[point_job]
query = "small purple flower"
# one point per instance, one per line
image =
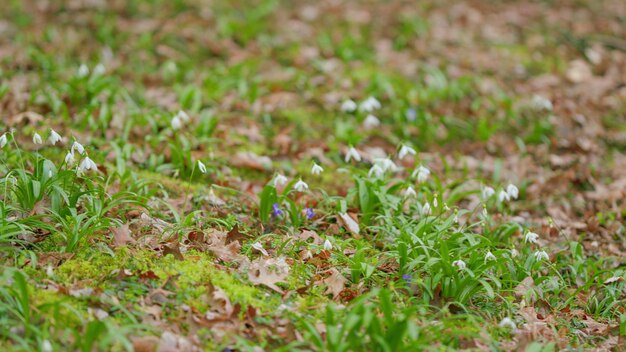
(309, 213)
(276, 212)
(407, 279)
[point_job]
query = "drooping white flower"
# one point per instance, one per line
(259, 247)
(69, 158)
(404, 151)
(86, 165)
(83, 71)
(488, 192)
(77, 147)
(183, 116)
(485, 212)
(489, 256)
(459, 264)
(421, 173)
(503, 196)
(541, 103)
(316, 169)
(279, 180)
(37, 138)
(370, 104)
(353, 154)
(176, 123)
(426, 209)
(410, 192)
(512, 191)
(348, 106)
(541, 255)
(435, 202)
(3, 140)
(202, 167)
(99, 69)
(376, 171)
(46, 346)
(327, 245)
(508, 323)
(54, 137)
(531, 237)
(386, 164)
(371, 121)
(300, 186)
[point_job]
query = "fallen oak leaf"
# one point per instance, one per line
(121, 236)
(268, 272)
(350, 224)
(235, 235)
(335, 283)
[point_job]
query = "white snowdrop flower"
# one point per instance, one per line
(316, 169)
(410, 192)
(503, 196)
(485, 212)
(202, 167)
(456, 219)
(327, 245)
(404, 151)
(259, 247)
(183, 116)
(514, 253)
(489, 256)
(541, 255)
(435, 202)
(78, 147)
(426, 210)
(87, 164)
(459, 264)
(512, 191)
(531, 237)
(371, 121)
(54, 137)
(3, 140)
(376, 171)
(445, 207)
(176, 123)
(541, 103)
(99, 69)
(488, 192)
(49, 173)
(46, 346)
(300, 186)
(508, 323)
(386, 164)
(83, 71)
(69, 158)
(279, 180)
(49, 271)
(37, 138)
(370, 104)
(421, 173)
(353, 154)
(348, 106)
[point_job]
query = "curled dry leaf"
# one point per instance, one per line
(335, 283)
(268, 272)
(121, 236)
(350, 224)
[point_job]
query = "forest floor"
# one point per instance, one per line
(332, 175)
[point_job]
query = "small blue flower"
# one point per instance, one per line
(276, 212)
(309, 213)
(411, 114)
(407, 279)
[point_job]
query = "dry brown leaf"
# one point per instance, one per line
(335, 283)
(121, 236)
(250, 160)
(268, 272)
(145, 343)
(350, 224)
